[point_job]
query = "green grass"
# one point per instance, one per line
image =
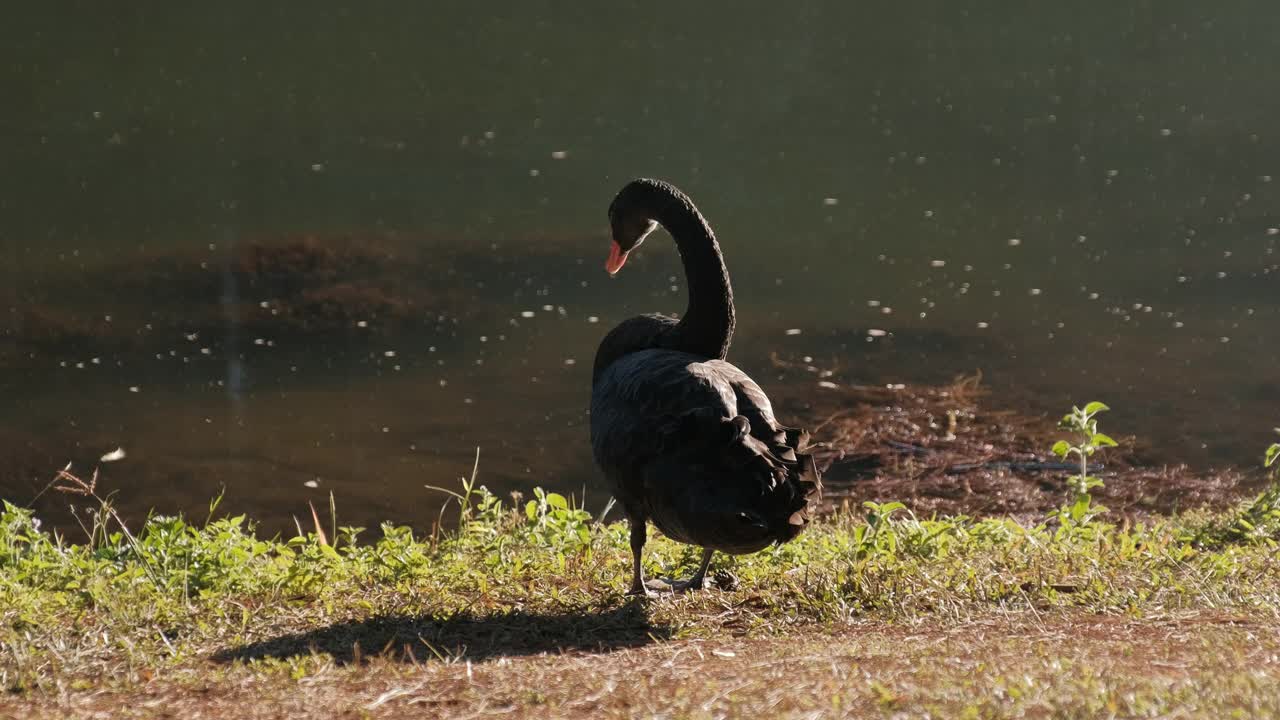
(177, 605)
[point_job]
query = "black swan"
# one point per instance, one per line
(686, 440)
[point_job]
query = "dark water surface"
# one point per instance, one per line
(288, 252)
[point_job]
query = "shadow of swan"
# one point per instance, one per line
(462, 636)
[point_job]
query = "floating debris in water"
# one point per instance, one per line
(937, 263)
(548, 308)
(114, 455)
(830, 201)
(317, 167)
(793, 331)
(873, 303)
(983, 325)
(134, 389)
(593, 319)
(559, 154)
(570, 361)
(827, 384)
(877, 332)
(389, 353)
(312, 483)
(1014, 242)
(534, 172)
(1034, 291)
(527, 313)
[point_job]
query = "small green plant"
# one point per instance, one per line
(1083, 423)
(1269, 459)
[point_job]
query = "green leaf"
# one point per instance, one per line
(1061, 448)
(1095, 407)
(531, 509)
(1273, 452)
(557, 500)
(1102, 440)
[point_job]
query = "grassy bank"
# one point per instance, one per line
(871, 610)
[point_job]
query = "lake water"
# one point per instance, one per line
(1077, 201)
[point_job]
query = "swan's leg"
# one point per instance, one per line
(637, 547)
(698, 581)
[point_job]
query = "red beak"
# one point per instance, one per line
(617, 257)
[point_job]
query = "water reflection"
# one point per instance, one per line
(290, 254)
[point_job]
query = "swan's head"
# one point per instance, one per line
(630, 224)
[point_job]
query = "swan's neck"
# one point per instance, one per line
(706, 328)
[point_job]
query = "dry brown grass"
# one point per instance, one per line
(1017, 666)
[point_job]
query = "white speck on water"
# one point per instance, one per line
(96, 361)
(1112, 173)
(570, 361)
(206, 351)
(362, 323)
(484, 338)
(1273, 231)
(548, 308)
(317, 167)
(134, 389)
(527, 313)
(259, 341)
(873, 303)
(1177, 323)
(386, 429)
(937, 263)
(467, 401)
(312, 483)
(559, 154)
(389, 353)
(830, 201)
(1265, 178)
(793, 331)
(1224, 339)
(1221, 274)
(983, 325)
(114, 455)
(534, 172)
(921, 159)
(593, 319)
(1182, 278)
(443, 382)
(1014, 242)
(886, 310)
(877, 332)
(928, 213)
(1034, 291)
(827, 384)
(1165, 132)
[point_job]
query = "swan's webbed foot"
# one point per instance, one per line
(697, 582)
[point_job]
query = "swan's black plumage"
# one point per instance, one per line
(687, 440)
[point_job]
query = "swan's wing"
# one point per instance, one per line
(654, 402)
(754, 404)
